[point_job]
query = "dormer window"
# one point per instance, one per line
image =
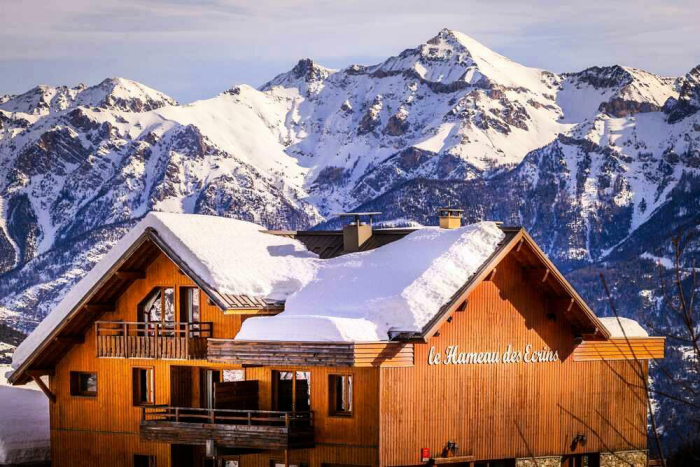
(158, 306)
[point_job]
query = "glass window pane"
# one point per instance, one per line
(88, 382)
(152, 307)
(194, 315)
(169, 304)
(233, 375)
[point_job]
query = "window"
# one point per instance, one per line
(496, 463)
(158, 306)
(228, 376)
(189, 304)
(292, 391)
(83, 384)
(142, 379)
(340, 393)
(144, 461)
(280, 463)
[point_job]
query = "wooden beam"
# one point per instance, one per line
(452, 460)
(42, 386)
(41, 372)
(130, 275)
(71, 339)
(538, 275)
(520, 244)
(492, 275)
(100, 307)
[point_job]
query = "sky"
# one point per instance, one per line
(195, 49)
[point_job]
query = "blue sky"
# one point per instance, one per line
(195, 49)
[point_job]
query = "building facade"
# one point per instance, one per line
(145, 369)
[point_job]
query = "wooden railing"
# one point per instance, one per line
(169, 340)
(250, 429)
(265, 418)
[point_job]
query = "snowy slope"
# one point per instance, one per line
(605, 150)
(24, 423)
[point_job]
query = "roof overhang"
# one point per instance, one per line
(93, 305)
(515, 239)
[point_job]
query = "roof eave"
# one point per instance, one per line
(19, 375)
(433, 326)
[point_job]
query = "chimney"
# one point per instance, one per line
(356, 233)
(450, 218)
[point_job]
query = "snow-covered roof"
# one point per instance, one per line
(401, 286)
(230, 256)
(631, 327)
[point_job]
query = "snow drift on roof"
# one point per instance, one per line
(630, 326)
(230, 256)
(360, 297)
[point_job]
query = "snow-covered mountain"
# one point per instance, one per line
(587, 161)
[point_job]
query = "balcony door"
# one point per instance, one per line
(208, 379)
(291, 391)
(181, 386)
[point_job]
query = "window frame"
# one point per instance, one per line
(151, 459)
(136, 386)
(275, 389)
(349, 386)
(292, 463)
(182, 296)
(75, 384)
(142, 315)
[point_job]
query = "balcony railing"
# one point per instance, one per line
(169, 340)
(250, 429)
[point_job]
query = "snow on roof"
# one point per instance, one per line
(630, 326)
(229, 255)
(401, 286)
(24, 424)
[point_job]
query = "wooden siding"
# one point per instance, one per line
(280, 353)
(75, 448)
(641, 348)
(383, 354)
(499, 410)
(309, 354)
(104, 429)
(362, 429)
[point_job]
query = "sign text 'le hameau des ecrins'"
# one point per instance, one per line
(452, 356)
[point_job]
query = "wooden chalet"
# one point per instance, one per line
(143, 368)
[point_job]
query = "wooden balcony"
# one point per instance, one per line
(169, 340)
(246, 429)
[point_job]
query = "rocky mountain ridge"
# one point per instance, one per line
(587, 161)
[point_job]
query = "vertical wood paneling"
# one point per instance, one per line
(104, 430)
(502, 410)
(360, 429)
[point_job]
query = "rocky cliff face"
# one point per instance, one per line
(590, 162)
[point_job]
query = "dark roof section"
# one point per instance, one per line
(329, 243)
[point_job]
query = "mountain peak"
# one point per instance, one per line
(306, 71)
(453, 57)
(119, 93)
